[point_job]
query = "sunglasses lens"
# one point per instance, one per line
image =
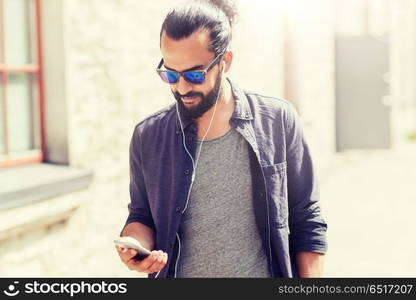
(169, 77)
(194, 77)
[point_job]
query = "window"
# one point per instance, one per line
(43, 175)
(21, 89)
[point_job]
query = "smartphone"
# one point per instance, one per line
(131, 243)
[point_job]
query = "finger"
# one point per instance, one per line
(126, 255)
(133, 252)
(158, 261)
(144, 264)
(158, 264)
(121, 249)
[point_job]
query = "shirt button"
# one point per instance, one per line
(178, 208)
(261, 194)
(187, 172)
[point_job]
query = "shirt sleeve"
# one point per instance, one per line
(306, 223)
(138, 208)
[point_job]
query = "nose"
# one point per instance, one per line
(182, 86)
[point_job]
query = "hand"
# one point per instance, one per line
(151, 264)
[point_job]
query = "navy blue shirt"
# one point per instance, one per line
(285, 187)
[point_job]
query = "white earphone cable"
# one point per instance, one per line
(194, 162)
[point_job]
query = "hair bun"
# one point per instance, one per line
(228, 7)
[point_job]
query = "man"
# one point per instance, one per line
(222, 182)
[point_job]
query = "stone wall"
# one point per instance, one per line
(111, 51)
(282, 48)
(309, 72)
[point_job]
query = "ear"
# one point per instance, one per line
(227, 60)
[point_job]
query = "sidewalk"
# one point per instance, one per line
(369, 202)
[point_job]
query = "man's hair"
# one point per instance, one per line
(217, 16)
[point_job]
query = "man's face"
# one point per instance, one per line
(190, 54)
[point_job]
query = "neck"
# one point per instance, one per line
(220, 123)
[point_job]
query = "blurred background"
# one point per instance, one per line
(76, 76)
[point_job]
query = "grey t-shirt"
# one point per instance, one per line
(219, 236)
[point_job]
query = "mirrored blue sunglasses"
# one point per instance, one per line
(194, 77)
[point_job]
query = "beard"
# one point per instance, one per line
(205, 103)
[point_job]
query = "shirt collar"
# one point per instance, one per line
(242, 108)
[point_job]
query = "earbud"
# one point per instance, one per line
(223, 66)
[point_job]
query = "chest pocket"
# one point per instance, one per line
(276, 182)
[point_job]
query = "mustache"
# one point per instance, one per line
(190, 94)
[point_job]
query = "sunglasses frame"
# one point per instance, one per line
(204, 71)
